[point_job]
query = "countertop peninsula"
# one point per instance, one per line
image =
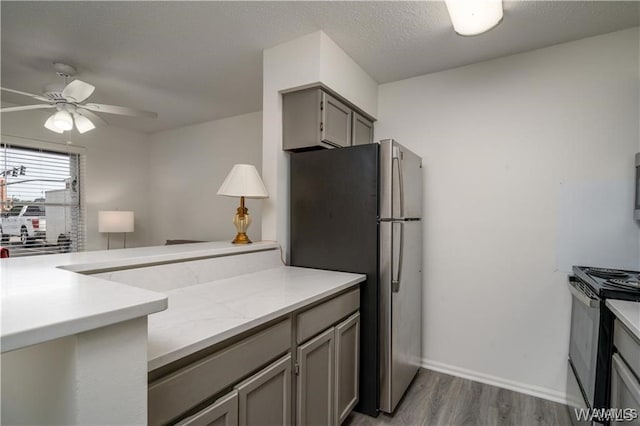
(205, 314)
(45, 297)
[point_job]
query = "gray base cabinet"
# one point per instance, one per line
(347, 342)
(251, 380)
(313, 118)
(175, 394)
(223, 412)
(316, 378)
(625, 388)
(625, 373)
(328, 369)
(265, 398)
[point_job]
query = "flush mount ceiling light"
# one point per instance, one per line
(473, 17)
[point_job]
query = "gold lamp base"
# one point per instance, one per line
(242, 220)
(241, 238)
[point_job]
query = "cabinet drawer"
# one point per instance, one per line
(178, 392)
(628, 346)
(323, 316)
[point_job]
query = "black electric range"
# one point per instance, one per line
(591, 337)
(610, 283)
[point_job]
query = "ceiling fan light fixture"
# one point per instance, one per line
(49, 125)
(473, 17)
(83, 124)
(62, 120)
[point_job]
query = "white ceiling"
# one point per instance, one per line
(198, 61)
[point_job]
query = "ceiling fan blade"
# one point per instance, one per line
(114, 109)
(49, 125)
(95, 119)
(83, 124)
(26, 107)
(77, 91)
(31, 95)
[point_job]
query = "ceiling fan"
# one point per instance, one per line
(67, 100)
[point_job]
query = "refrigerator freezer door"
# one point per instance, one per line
(400, 181)
(401, 308)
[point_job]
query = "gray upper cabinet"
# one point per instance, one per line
(265, 398)
(313, 118)
(335, 127)
(361, 130)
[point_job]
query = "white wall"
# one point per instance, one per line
(518, 152)
(117, 170)
(188, 165)
(310, 59)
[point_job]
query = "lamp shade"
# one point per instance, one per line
(115, 221)
(243, 181)
(473, 17)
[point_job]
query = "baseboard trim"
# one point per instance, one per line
(537, 391)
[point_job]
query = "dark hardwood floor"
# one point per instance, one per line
(439, 399)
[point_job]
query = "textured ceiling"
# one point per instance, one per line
(198, 61)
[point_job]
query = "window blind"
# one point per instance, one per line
(40, 200)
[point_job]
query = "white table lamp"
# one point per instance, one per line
(243, 181)
(115, 221)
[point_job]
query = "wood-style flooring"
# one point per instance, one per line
(439, 399)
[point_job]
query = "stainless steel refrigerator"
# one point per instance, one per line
(359, 209)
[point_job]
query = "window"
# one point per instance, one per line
(40, 200)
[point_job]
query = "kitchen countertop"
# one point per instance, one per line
(628, 313)
(43, 298)
(204, 314)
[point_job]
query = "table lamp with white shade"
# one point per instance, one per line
(115, 221)
(243, 181)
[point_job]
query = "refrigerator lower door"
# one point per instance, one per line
(401, 308)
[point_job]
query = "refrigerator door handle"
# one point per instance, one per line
(397, 157)
(396, 273)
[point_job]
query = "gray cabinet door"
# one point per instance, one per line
(361, 130)
(223, 412)
(265, 398)
(301, 117)
(315, 403)
(625, 388)
(347, 341)
(335, 126)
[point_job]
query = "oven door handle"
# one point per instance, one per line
(582, 297)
